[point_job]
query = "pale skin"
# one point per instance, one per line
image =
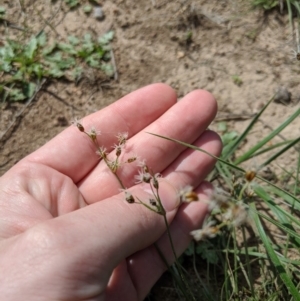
(67, 232)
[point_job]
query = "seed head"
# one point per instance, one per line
(237, 214)
(118, 149)
(93, 133)
(187, 195)
(143, 177)
(208, 231)
(131, 159)
(155, 180)
(128, 196)
(78, 124)
(296, 54)
(122, 138)
(153, 202)
(250, 175)
(102, 152)
(220, 200)
(114, 165)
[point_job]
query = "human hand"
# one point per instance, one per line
(66, 231)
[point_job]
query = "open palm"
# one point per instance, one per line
(66, 231)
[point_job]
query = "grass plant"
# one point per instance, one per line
(250, 239)
(252, 252)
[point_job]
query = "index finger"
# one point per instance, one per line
(73, 154)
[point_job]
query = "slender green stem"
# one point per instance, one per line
(147, 206)
(177, 264)
(119, 180)
(248, 263)
(174, 275)
(107, 162)
(206, 290)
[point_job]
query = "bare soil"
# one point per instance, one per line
(241, 55)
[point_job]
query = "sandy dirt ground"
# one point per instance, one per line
(239, 54)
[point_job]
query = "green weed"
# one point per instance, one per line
(2, 12)
(72, 3)
(292, 6)
(237, 80)
(24, 66)
(266, 4)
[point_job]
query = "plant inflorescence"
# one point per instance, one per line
(114, 161)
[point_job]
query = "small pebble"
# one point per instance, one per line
(282, 95)
(180, 54)
(98, 13)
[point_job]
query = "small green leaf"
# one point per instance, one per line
(229, 137)
(5, 66)
(16, 95)
(237, 80)
(42, 39)
(72, 3)
(7, 52)
(55, 71)
(66, 63)
(222, 126)
(106, 55)
(205, 249)
(106, 38)
(266, 4)
(76, 74)
(93, 61)
(19, 75)
(54, 58)
(67, 48)
(73, 40)
(108, 69)
(37, 69)
(87, 44)
(29, 89)
(2, 12)
(49, 50)
(31, 48)
(87, 9)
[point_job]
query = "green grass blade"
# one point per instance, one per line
(291, 144)
(297, 175)
(279, 225)
(201, 150)
(283, 192)
(290, 13)
(285, 219)
(283, 215)
(259, 255)
(290, 199)
(273, 256)
(258, 146)
(267, 149)
(226, 154)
